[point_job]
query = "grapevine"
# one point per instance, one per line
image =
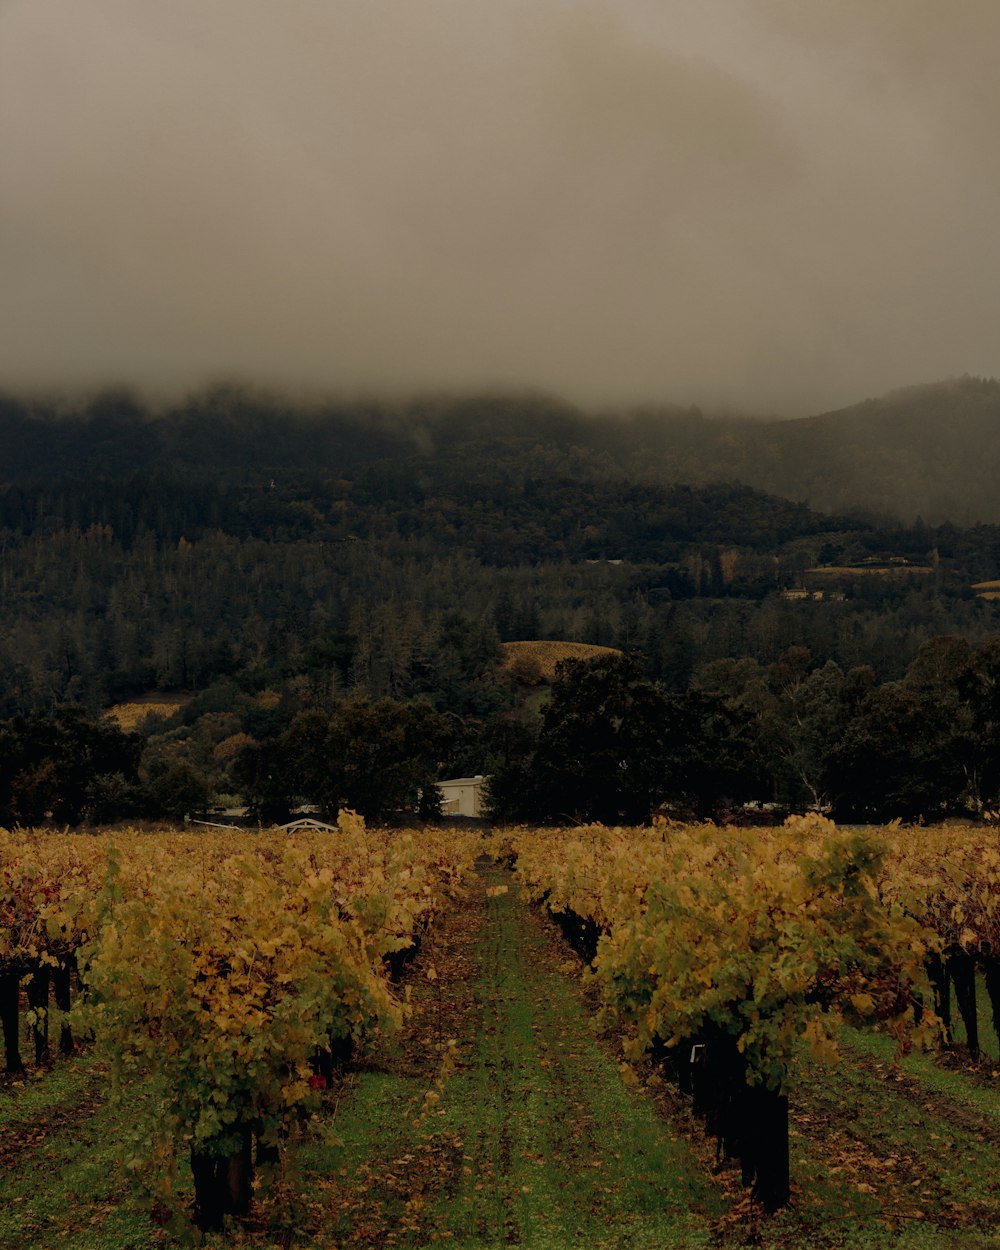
(722, 952)
(226, 969)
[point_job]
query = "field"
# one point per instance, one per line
(129, 716)
(533, 1128)
(533, 662)
(861, 570)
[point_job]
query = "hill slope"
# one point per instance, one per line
(928, 451)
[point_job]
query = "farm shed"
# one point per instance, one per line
(462, 796)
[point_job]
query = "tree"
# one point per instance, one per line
(176, 788)
(381, 757)
(811, 722)
(603, 745)
(714, 756)
(52, 764)
(979, 687)
(900, 755)
(260, 771)
(749, 736)
(509, 747)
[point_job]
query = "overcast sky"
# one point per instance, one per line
(776, 205)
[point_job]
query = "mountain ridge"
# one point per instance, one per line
(930, 451)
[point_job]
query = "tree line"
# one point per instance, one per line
(744, 740)
(612, 746)
(926, 451)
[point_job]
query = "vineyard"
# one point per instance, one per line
(722, 955)
(678, 1036)
(234, 976)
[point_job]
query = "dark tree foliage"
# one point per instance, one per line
(66, 767)
(901, 754)
(794, 734)
(613, 747)
(393, 547)
(602, 750)
(716, 761)
(609, 745)
(978, 688)
(379, 757)
(265, 778)
(176, 788)
(384, 757)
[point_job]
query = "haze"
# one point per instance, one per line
(765, 204)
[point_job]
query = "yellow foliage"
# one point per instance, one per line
(129, 716)
(766, 933)
(223, 962)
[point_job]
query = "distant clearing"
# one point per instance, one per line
(534, 662)
(863, 570)
(130, 715)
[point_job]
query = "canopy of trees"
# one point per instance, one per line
(608, 744)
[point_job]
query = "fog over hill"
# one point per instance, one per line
(924, 451)
(929, 452)
(236, 536)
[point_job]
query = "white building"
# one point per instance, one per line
(462, 796)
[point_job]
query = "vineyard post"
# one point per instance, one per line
(732, 1108)
(61, 976)
(963, 976)
(683, 1063)
(38, 1001)
(10, 993)
(991, 975)
(939, 975)
(700, 1078)
(223, 1184)
(767, 1123)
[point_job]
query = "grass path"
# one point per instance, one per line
(60, 1182)
(535, 1139)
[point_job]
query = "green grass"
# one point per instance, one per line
(61, 1183)
(949, 1083)
(564, 1152)
(989, 1044)
(892, 1157)
(45, 1094)
(535, 1140)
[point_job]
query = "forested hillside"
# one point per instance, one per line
(923, 451)
(230, 536)
(929, 452)
(257, 561)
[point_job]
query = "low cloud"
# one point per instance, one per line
(774, 206)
